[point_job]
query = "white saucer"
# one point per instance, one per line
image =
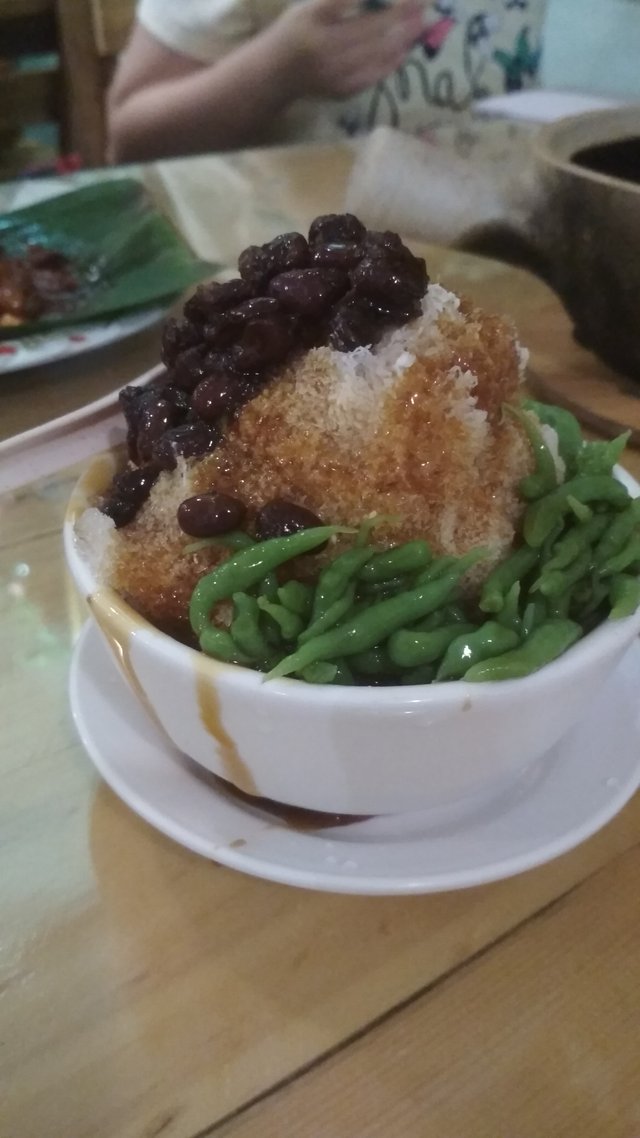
(574, 791)
(61, 343)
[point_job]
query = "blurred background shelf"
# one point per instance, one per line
(57, 58)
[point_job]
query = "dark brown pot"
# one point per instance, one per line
(588, 234)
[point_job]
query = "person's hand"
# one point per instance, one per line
(332, 48)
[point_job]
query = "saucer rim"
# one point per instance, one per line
(89, 641)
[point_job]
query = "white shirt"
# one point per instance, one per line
(469, 49)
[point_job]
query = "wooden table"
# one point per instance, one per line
(147, 992)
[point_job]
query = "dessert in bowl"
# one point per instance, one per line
(345, 566)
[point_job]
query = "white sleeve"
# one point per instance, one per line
(198, 28)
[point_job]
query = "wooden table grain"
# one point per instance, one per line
(147, 992)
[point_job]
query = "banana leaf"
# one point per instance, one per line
(126, 255)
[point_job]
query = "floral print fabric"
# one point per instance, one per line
(468, 50)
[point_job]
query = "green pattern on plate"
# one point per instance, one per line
(127, 254)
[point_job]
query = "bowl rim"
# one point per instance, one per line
(566, 667)
(609, 126)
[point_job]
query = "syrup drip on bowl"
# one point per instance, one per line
(209, 705)
(119, 635)
(292, 817)
(120, 644)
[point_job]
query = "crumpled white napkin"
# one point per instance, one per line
(462, 179)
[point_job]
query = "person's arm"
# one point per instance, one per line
(163, 103)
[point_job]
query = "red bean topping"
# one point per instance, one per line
(337, 255)
(393, 280)
(280, 517)
(262, 343)
(336, 227)
(308, 292)
(120, 510)
(218, 331)
(143, 407)
(289, 251)
(217, 396)
(191, 440)
(225, 329)
(354, 322)
(177, 336)
(345, 286)
(154, 420)
(177, 398)
(378, 239)
(253, 264)
(259, 263)
(129, 491)
(259, 308)
(189, 368)
(129, 398)
(404, 314)
(216, 296)
(137, 484)
(206, 515)
(131, 418)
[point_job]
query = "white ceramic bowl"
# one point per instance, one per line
(338, 749)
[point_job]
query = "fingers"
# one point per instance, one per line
(347, 52)
(376, 30)
(407, 20)
(362, 68)
(410, 13)
(375, 34)
(368, 74)
(332, 10)
(400, 25)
